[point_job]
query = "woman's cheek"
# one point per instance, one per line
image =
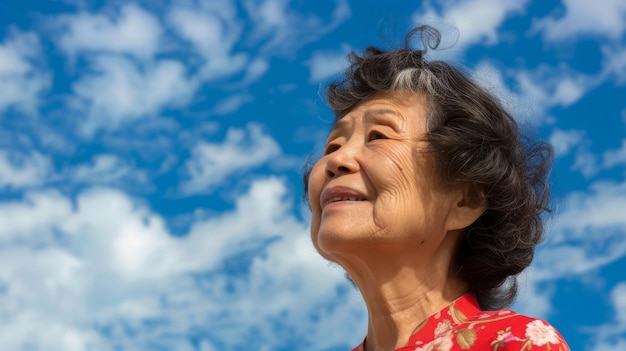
(316, 183)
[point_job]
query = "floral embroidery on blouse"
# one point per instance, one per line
(463, 326)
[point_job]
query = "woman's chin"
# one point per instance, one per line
(332, 244)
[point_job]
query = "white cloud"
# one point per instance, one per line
(563, 141)
(549, 87)
(135, 31)
(21, 80)
(206, 30)
(273, 13)
(231, 103)
(120, 91)
(586, 162)
(288, 30)
(325, 64)
(587, 233)
(618, 297)
(112, 267)
(585, 18)
(619, 344)
(610, 336)
(597, 209)
(612, 158)
(33, 217)
(255, 70)
(212, 163)
(124, 82)
(106, 169)
(534, 92)
(477, 20)
(533, 298)
(15, 52)
(45, 301)
(614, 64)
(18, 170)
(213, 31)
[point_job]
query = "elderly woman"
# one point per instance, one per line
(431, 200)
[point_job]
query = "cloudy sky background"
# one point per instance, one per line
(151, 155)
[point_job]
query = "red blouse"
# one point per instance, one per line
(463, 326)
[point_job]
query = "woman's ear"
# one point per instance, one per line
(469, 205)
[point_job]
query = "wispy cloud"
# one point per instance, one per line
(326, 63)
(618, 297)
(585, 237)
(612, 158)
(213, 30)
(531, 93)
(132, 30)
(106, 169)
(22, 80)
(614, 63)
(255, 70)
(581, 214)
(287, 29)
(478, 21)
(212, 163)
(549, 87)
(586, 162)
(608, 345)
(563, 141)
(21, 170)
(119, 91)
(610, 335)
(231, 103)
(584, 18)
(124, 81)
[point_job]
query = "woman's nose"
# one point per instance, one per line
(342, 161)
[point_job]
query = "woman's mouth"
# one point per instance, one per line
(341, 198)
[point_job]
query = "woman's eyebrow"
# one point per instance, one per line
(382, 116)
(373, 113)
(339, 124)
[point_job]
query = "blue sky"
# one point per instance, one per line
(151, 155)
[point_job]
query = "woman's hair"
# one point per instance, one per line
(474, 141)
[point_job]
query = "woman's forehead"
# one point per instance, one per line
(399, 106)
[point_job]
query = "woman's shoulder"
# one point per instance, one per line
(507, 330)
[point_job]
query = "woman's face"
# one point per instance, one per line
(375, 188)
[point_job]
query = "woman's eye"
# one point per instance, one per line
(330, 148)
(376, 136)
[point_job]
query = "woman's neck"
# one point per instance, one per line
(401, 292)
(398, 307)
